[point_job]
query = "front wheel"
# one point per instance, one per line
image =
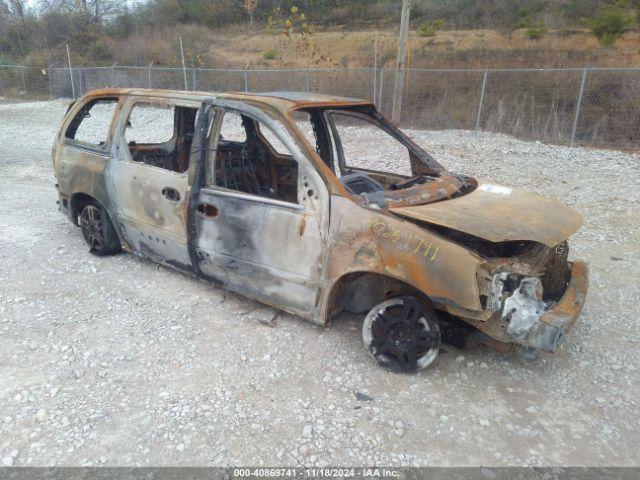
(98, 231)
(402, 334)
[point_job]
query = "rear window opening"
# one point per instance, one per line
(91, 125)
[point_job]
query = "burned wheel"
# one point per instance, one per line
(98, 231)
(402, 334)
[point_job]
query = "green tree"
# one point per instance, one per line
(610, 22)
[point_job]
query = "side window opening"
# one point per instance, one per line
(232, 129)
(160, 135)
(251, 158)
(270, 138)
(92, 123)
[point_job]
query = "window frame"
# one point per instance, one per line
(211, 185)
(222, 124)
(103, 149)
(174, 132)
(414, 151)
(128, 107)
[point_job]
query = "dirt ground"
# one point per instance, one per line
(117, 361)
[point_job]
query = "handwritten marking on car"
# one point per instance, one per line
(404, 239)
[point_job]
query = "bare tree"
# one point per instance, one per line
(16, 13)
(16, 10)
(96, 11)
(250, 6)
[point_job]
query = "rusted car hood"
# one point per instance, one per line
(498, 214)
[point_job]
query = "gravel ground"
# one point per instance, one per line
(117, 361)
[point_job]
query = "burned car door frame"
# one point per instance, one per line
(253, 242)
(150, 200)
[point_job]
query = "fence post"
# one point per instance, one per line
(24, 81)
(184, 68)
(484, 85)
(380, 89)
(246, 79)
(73, 90)
(1, 85)
(583, 80)
(113, 74)
(193, 77)
(307, 78)
(149, 73)
(375, 65)
(50, 83)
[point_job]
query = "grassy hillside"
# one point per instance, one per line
(454, 49)
(321, 33)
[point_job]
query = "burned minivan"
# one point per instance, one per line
(317, 205)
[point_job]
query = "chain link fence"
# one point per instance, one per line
(591, 106)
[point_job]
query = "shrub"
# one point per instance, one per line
(535, 33)
(610, 23)
(270, 54)
(415, 11)
(429, 29)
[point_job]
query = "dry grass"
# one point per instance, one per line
(457, 49)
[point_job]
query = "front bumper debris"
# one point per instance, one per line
(547, 333)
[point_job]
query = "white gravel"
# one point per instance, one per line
(117, 361)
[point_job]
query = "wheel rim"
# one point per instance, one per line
(91, 222)
(399, 335)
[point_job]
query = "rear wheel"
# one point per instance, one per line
(98, 230)
(402, 334)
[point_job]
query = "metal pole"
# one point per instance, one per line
(401, 61)
(583, 80)
(50, 85)
(246, 79)
(484, 85)
(113, 74)
(149, 73)
(73, 89)
(375, 65)
(380, 89)
(307, 78)
(193, 78)
(24, 81)
(184, 68)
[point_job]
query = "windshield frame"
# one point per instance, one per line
(370, 115)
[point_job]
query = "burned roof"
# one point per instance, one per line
(282, 100)
(311, 98)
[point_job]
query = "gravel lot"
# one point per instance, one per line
(117, 361)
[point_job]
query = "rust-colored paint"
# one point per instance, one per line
(516, 215)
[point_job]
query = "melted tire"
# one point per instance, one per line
(402, 334)
(98, 231)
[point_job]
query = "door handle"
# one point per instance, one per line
(208, 210)
(171, 194)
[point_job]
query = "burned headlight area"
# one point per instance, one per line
(518, 291)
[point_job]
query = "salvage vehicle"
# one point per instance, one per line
(318, 205)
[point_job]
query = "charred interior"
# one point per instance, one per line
(246, 161)
(170, 153)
